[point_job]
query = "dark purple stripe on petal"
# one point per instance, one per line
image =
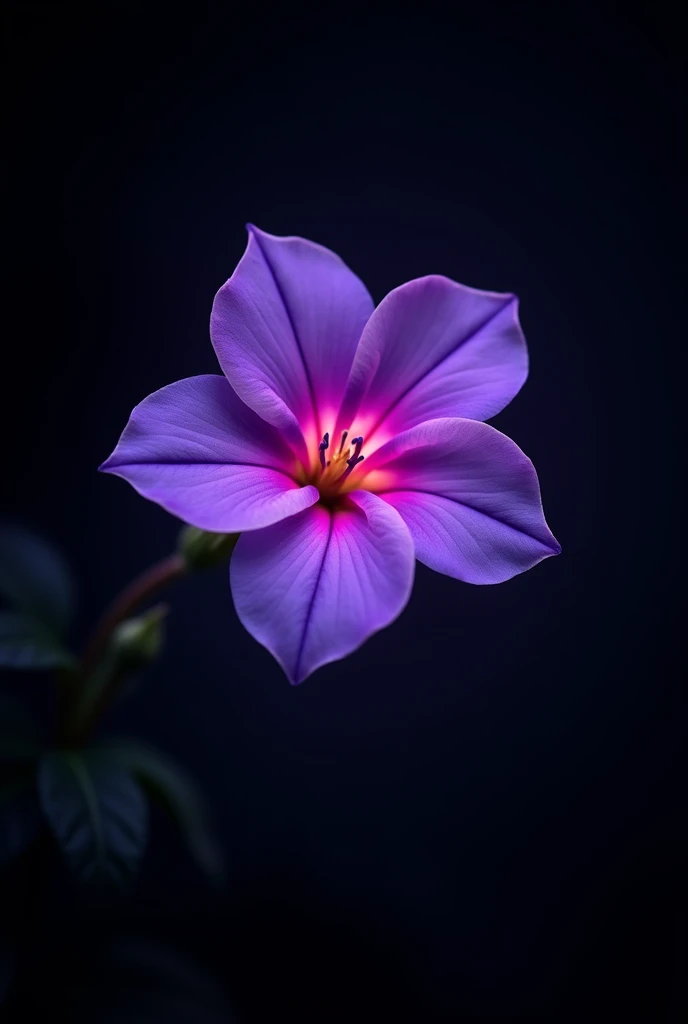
(199, 452)
(469, 496)
(434, 348)
(285, 329)
(313, 588)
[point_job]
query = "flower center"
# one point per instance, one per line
(337, 468)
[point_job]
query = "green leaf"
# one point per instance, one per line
(170, 787)
(20, 737)
(98, 815)
(21, 818)
(35, 579)
(24, 644)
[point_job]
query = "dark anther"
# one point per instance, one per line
(322, 448)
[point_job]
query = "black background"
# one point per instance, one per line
(475, 817)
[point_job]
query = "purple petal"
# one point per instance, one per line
(434, 348)
(285, 329)
(312, 588)
(196, 449)
(469, 496)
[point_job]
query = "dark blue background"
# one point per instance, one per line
(475, 817)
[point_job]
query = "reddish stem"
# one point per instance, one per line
(139, 590)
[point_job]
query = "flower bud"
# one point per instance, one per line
(138, 642)
(202, 550)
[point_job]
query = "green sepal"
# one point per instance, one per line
(202, 550)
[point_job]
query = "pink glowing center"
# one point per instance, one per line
(333, 472)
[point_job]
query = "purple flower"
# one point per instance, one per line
(343, 442)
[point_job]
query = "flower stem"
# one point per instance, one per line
(125, 604)
(139, 590)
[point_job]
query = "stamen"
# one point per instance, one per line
(355, 458)
(335, 470)
(351, 463)
(322, 448)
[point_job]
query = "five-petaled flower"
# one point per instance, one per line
(343, 442)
